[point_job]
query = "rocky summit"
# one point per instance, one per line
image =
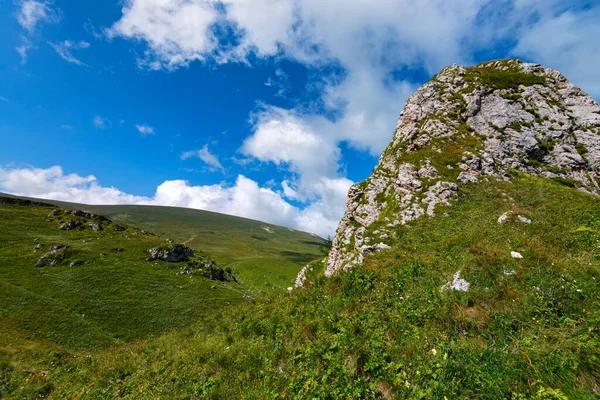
(467, 125)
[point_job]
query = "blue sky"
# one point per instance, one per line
(263, 109)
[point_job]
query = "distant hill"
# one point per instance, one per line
(266, 257)
(81, 281)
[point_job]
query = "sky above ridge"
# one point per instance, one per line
(266, 109)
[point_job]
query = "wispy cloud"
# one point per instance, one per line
(32, 12)
(145, 129)
(2, 98)
(65, 48)
(99, 122)
(205, 155)
(280, 82)
(24, 48)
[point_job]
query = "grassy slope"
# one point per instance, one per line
(264, 260)
(386, 329)
(117, 296)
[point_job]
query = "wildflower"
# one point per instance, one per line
(434, 352)
(445, 356)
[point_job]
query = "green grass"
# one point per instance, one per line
(510, 79)
(385, 329)
(264, 257)
(113, 295)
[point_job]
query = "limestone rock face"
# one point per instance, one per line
(465, 126)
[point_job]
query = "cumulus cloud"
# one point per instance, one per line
(177, 32)
(245, 198)
(53, 183)
(364, 60)
(65, 50)
(145, 129)
(205, 155)
(574, 47)
(284, 137)
(32, 12)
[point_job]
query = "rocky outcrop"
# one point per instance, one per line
(170, 253)
(53, 258)
(208, 269)
(465, 126)
(70, 225)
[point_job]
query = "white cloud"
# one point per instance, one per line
(99, 122)
(145, 129)
(245, 198)
(24, 48)
(66, 47)
(53, 183)
(177, 31)
(32, 12)
(362, 57)
(285, 138)
(4, 99)
(568, 42)
(205, 155)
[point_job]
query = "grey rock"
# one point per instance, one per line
(465, 177)
(523, 219)
(503, 218)
(95, 226)
(70, 225)
(457, 284)
(37, 247)
(53, 257)
(549, 131)
(54, 213)
(170, 253)
(374, 248)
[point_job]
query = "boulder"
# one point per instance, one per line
(170, 253)
(70, 225)
(95, 226)
(53, 257)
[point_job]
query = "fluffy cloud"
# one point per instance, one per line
(177, 32)
(53, 183)
(32, 12)
(245, 198)
(205, 155)
(567, 41)
(145, 129)
(65, 50)
(283, 137)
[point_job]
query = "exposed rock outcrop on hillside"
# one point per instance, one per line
(170, 253)
(467, 125)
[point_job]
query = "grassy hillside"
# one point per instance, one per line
(265, 257)
(386, 329)
(110, 294)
